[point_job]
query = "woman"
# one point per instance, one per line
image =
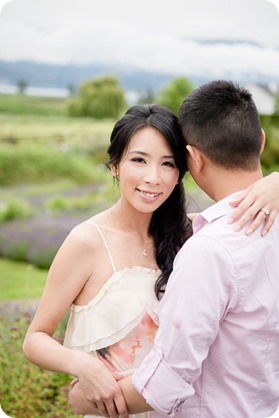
(108, 266)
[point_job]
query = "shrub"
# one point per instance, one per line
(270, 155)
(58, 204)
(100, 98)
(26, 390)
(81, 203)
(36, 165)
(14, 209)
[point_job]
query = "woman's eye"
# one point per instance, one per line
(138, 160)
(169, 164)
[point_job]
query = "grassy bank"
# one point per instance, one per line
(20, 280)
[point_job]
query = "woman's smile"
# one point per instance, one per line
(149, 196)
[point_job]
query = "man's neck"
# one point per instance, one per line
(225, 182)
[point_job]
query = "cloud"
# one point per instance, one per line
(178, 36)
(275, 2)
(3, 3)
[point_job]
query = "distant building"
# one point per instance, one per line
(264, 96)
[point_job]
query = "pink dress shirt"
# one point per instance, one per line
(216, 353)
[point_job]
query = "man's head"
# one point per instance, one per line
(222, 129)
(221, 120)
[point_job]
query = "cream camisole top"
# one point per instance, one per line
(119, 324)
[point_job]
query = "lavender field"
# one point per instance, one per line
(35, 238)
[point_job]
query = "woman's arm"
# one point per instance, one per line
(68, 274)
(64, 282)
(261, 195)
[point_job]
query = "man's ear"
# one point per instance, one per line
(263, 141)
(196, 156)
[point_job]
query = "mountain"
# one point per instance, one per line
(61, 76)
(65, 76)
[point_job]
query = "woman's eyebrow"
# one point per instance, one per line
(146, 154)
(138, 152)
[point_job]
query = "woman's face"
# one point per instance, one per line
(147, 171)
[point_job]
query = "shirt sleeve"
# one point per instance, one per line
(199, 292)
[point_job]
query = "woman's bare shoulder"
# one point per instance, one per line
(87, 233)
(84, 235)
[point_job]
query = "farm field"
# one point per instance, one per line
(52, 176)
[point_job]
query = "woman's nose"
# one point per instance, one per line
(152, 175)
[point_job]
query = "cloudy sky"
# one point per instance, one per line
(170, 36)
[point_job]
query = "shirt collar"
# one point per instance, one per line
(217, 210)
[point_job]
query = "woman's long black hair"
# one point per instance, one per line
(169, 226)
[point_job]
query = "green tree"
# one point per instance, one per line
(174, 93)
(21, 86)
(100, 98)
(71, 89)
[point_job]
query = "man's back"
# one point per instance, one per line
(242, 366)
(216, 351)
(221, 326)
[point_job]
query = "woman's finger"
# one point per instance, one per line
(245, 208)
(102, 408)
(252, 202)
(244, 214)
(260, 219)
(74, 382)
(121, 406)
(269, 222)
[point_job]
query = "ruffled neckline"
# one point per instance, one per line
(118, 308)
(116, 276)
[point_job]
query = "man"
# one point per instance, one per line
(216, 353)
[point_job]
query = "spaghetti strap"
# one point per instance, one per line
(105, 243)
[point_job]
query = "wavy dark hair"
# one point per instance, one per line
(169, 225)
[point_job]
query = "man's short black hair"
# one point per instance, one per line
(220, 118)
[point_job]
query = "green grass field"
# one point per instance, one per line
(19, 129)
(19, 103)
(44, 152)
(49, 146)
(20, 280)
